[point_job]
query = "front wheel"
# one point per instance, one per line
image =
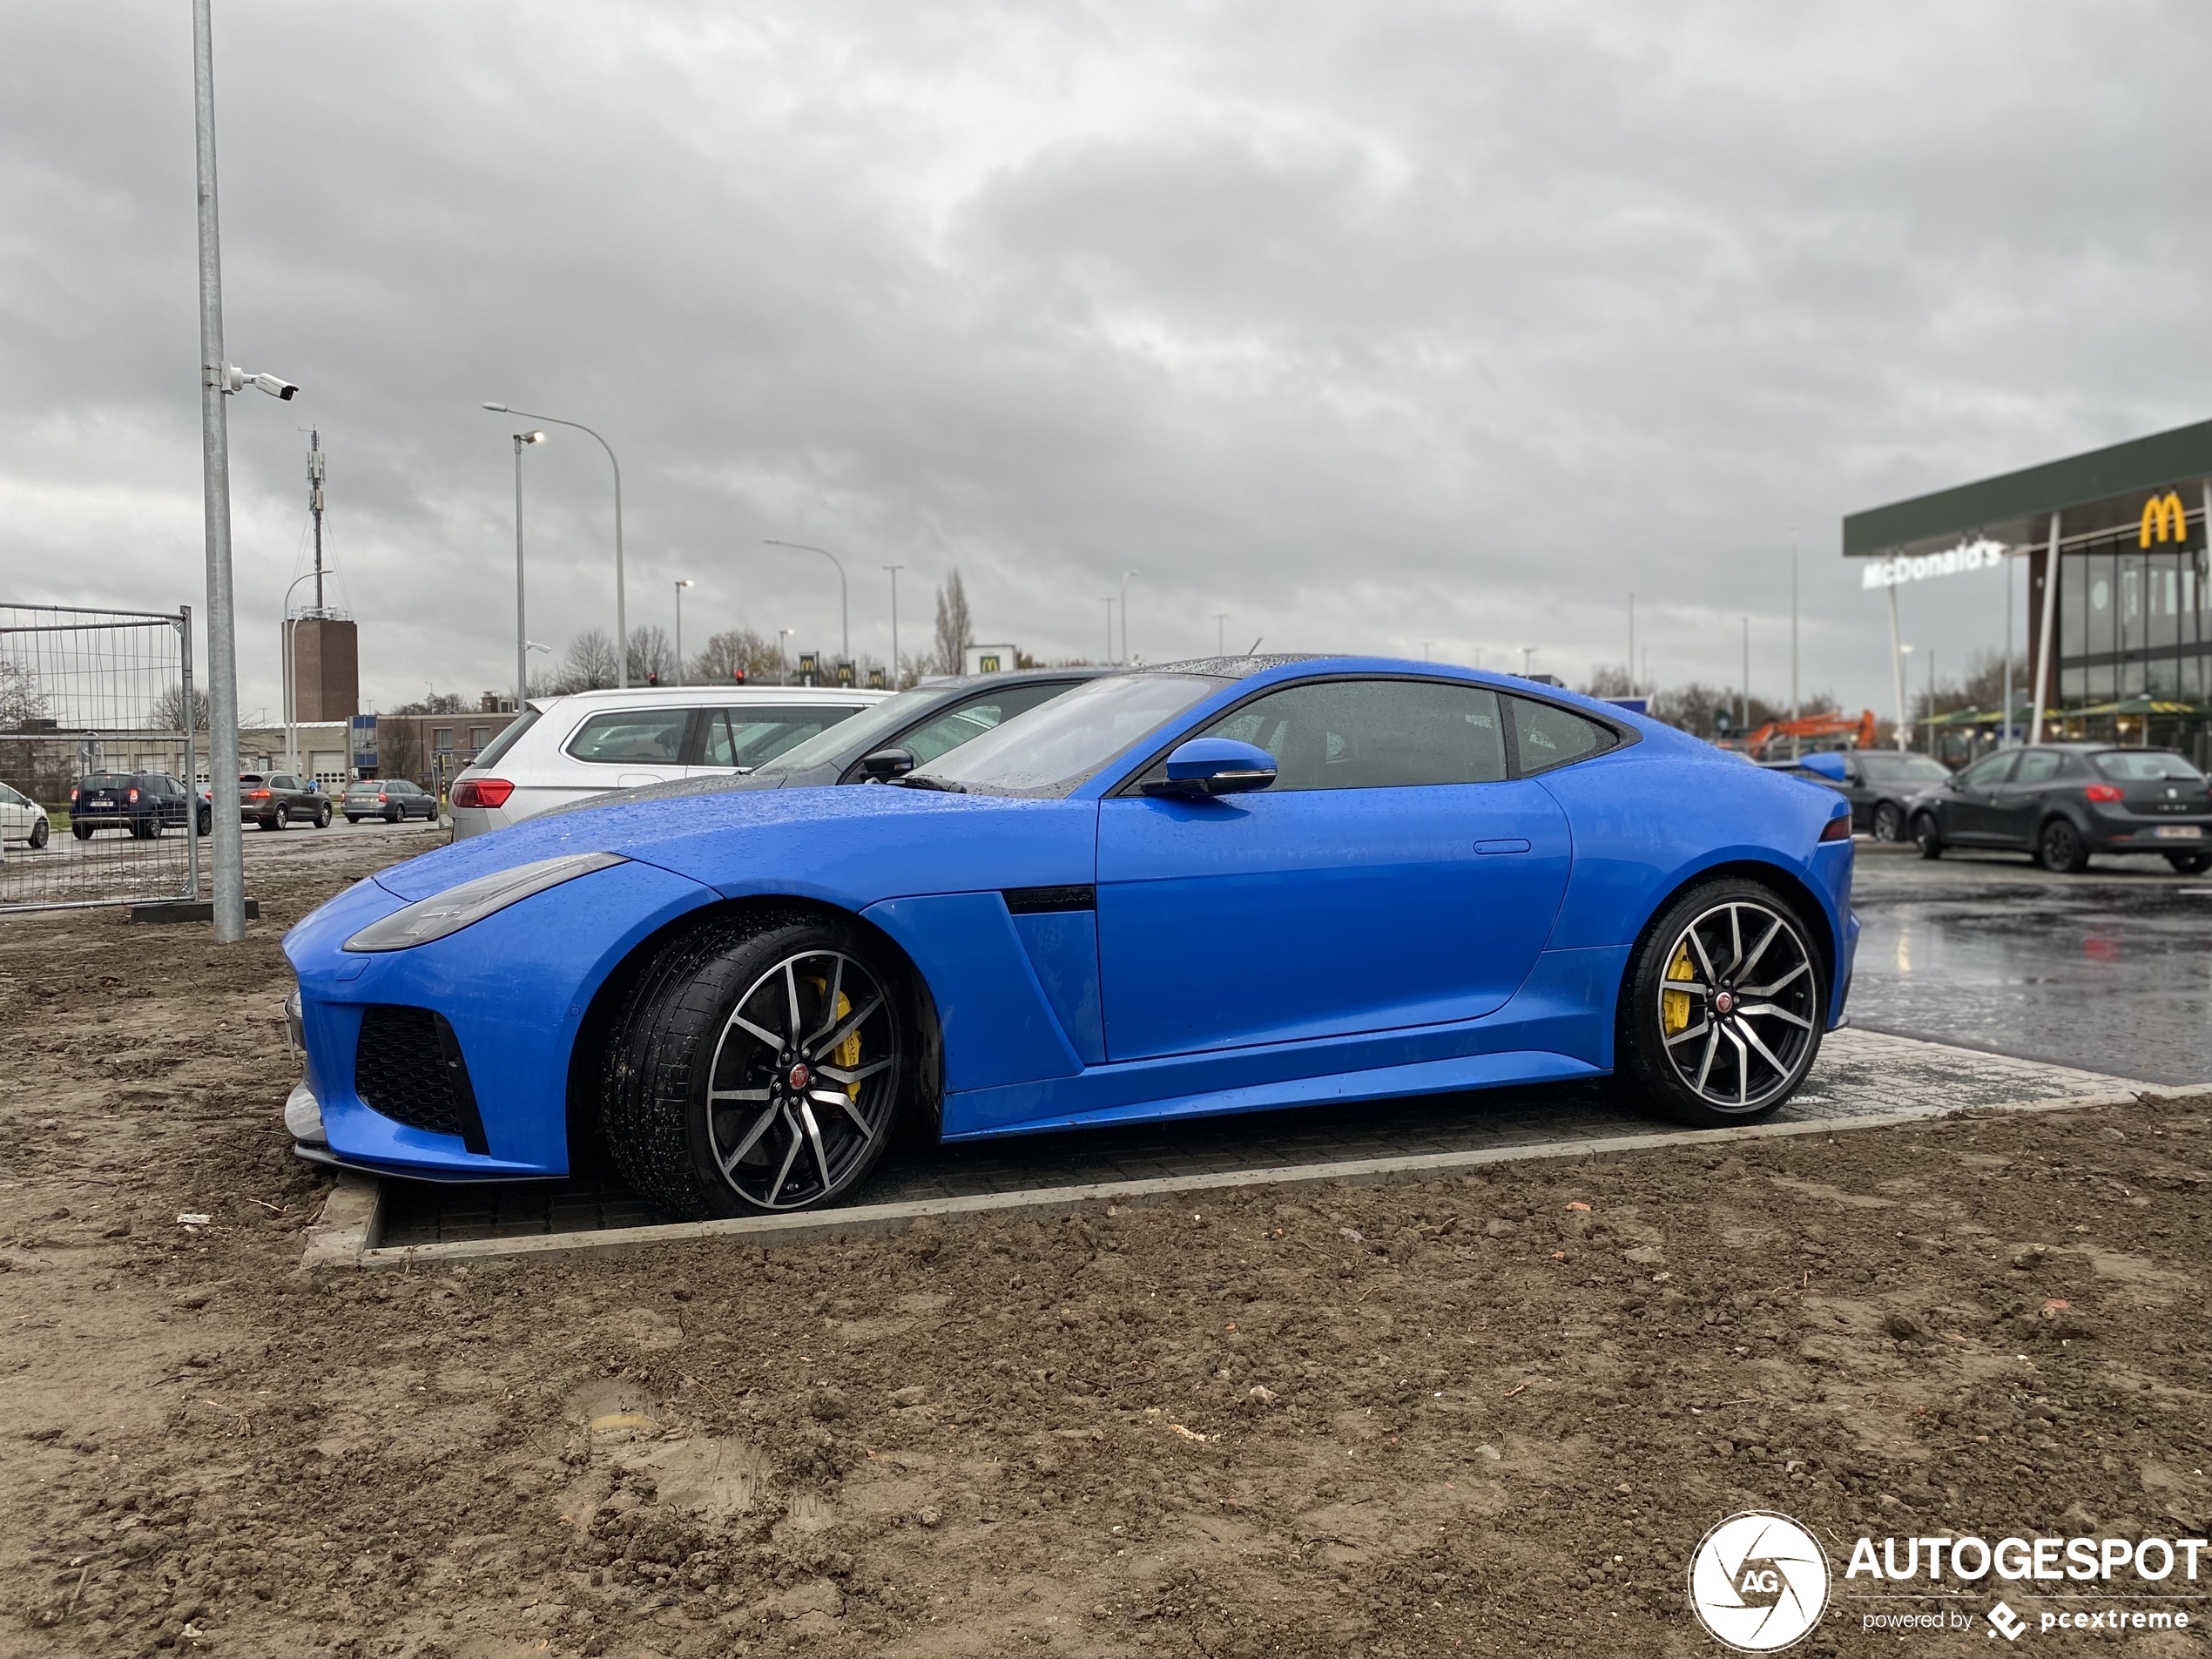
(1925, 836)
(2183, 863)
(1723, 1006)
(322, 818)
(39, 831)
(2060, 849)
(207, 823)
(1889, 822)
(757, 1067)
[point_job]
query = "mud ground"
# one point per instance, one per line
(1468, 1417)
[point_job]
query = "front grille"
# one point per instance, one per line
(408, 1066)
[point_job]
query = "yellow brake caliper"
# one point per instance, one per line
(1675, 1006)
(848, 1052)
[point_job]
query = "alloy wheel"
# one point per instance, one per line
(803, 1080)
(1889, 823)
(1737, 1008)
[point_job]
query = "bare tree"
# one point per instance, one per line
(652, 657)
(733, 651)
(436, 702)
(1609, 679)
(169, 711)
(590, 666)
(20, 697)
(955, 629)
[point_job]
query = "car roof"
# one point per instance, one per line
(710, 697)
(1014, 677)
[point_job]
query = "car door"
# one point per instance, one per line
(1969, 810)
(15, 815)
(1394, 875)
(2019, 800)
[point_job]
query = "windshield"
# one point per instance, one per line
(1050, 751)
(2147, 766)
(863, 728)
(1900, 769)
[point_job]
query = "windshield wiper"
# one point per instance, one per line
(923, 780)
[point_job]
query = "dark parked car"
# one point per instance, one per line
(1880, 784)
(393, 799)
(145, 803)
(280, 798)
(2059, 803)
(886, 740)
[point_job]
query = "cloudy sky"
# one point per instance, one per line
(1375, 327)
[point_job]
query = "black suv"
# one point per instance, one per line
(280, 798)
(145, 803)
(2059, 803)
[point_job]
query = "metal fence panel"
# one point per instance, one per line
(88, 693)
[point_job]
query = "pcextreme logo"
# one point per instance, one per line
(1758, 1582)
(2163, 520)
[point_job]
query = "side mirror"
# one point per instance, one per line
(886, 763)
(1209, 766)
(1827, 764)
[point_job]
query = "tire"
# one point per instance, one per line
(2183, 863)
(81, 832)
(1710, 941)
(396, 817)
(1926, 837)
(39, 833)
(207, 824)
(1889, 822)
(268, 823)
(786, 1147)
(353, 818)
(2060, 848)
(322, 818)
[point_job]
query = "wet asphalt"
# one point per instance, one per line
(2110, 970)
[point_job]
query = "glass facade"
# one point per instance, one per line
(2136, 622)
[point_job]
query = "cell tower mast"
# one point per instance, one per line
(314, 507)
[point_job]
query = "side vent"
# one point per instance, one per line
(408, 1066)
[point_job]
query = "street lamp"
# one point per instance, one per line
(522, 441)
(291, 684)
(1220, 629)
(782, 657)
(1126, 575)
(622, 615)
(1904, 727)
(680, 586)
(1527, 659)
(1108, 601)
(895, 570)
(844, 606)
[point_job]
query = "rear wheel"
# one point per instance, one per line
(757, 1067)
(1722, 1008)
(353, 818)
(2185, 863)
(2059, 848)
(1925, 836)
(81, 832)
(1889, 822)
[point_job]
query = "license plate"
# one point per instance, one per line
(2178, 833)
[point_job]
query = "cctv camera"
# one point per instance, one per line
(236, 379)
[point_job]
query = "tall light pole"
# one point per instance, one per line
(895, 570)
(1527, 659)
(522, 441)
(682, 583)
(1220, 633)
(1108, 601)
(844, 605)
(218, 380)
(622, 612)
(290, 679)
(1126, 575)
(1744, 702)
(783, 658)
(1904, 726)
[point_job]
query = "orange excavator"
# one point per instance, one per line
(1815, 729)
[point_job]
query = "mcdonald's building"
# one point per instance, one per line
(2118, 623)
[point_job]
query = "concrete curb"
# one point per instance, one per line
(346, 1237)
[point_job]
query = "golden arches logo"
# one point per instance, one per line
(2163, 520)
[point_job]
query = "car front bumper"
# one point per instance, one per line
(512, 986)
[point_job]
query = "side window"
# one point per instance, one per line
(1374, 734)
(1547, 736)
(2037, 766)
(626, 736)
(1987, 772)
(972, 719)
(753, 736)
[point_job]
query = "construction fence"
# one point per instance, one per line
(97, 706)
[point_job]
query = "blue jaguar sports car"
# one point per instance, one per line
(1212, 887)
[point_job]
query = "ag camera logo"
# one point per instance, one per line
(1758, 1582)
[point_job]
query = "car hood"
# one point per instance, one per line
(851, 846)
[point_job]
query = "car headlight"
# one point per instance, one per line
(458, 908)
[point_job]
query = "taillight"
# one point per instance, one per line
(1836, 828)
(72, 798)
(134, 794)
(383, 800)
(2105, 791)
(482, 792)
(259, 794)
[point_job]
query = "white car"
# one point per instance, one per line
(567, 748)
(22, 819)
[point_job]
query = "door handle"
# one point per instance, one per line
(1512, 845)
